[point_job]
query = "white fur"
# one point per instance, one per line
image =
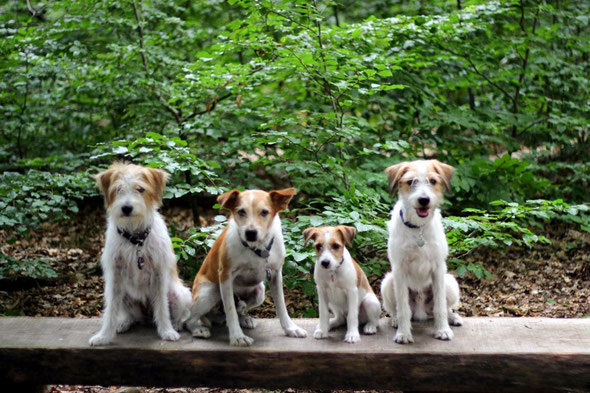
(130, 290)
(338, 292)
(246, 281)
(417, 268)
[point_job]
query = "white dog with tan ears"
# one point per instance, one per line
(418, 284)
(342, 285)
(249, 249)
(138, 262)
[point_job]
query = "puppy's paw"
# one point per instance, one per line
(320, 334)
(370, 328)
(394, 322)
(247, 322)
(420, 316)
(403, 338)
(352, 337)
(169, 335)
(455, 319)
(241, 341)
(201, 331)
(296, 331)
(444, 334)
(100, 339)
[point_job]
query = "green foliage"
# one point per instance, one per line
(34, 268)
(319, 95)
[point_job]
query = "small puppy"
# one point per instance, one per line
(342, 285)
(417, 249)
(249, 249)
(138, 262)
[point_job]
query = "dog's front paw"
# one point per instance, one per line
(296, 331)
(247, 322)
(455, 319)
(370, 328)
(201, 331)
(320, 334)
(100, 339)
(241, 341)
(403, 338)
(444, 334)
(124, 326)
(169, 335)
(352, 337)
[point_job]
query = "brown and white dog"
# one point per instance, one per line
(342, 285)
(249, 249)
(138, 262)
(417, 248)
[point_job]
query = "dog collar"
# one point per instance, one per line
(407, 223)
(261, 252)
(137, 239)
(420, 241)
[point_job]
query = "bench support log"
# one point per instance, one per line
(487, 354)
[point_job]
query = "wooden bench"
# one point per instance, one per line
(487, 354)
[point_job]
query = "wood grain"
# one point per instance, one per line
(487, 354)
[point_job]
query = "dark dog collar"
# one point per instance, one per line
(137, 239)
(407, 223)
(262, 253)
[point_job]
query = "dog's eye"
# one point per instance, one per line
(140, 189)
(410, 183)
(318, 247)
(264, 213)
(242, 212)
(335, 246)
(433, 181)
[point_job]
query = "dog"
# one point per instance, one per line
(249, 249)
(418, 284)
(138, 262)
(342, 285)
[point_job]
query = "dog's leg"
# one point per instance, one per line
(253, 299)
(352, 319)
(372, 309)
(276, 290)
(323, 327)
(452, 292)
(162, 310)
(388, 295)
(338, 319)
(236, 335)
(441, 322)
(179, 299)
(404, 312)
(113, 303)
(208, 297)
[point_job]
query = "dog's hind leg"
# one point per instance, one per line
(207, 297)
(248, 302)
(370, 311)
(388, 295)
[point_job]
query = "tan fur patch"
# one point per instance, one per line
(361, 278)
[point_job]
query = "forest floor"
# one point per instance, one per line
(548, 280)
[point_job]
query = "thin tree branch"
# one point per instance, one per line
(37, 14)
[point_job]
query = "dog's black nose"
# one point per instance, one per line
(251, 235)
(325, 263)
(127, 209)
(424, 201)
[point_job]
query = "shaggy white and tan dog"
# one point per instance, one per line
(138, 262)
(418, 284)
(249, 249)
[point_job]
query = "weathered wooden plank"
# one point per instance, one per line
(487, 354)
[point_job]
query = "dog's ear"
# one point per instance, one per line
(445, 171)
(104, 180)
(229, 200)
(347, 233)
(157, 178)
(395, 173)
(280, 198)
(310, 234)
